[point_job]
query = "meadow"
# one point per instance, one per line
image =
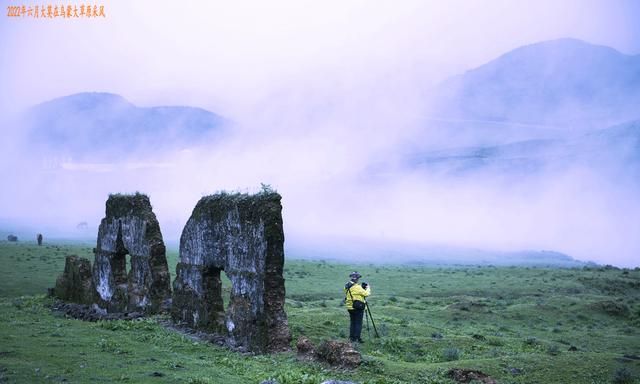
(515, 324)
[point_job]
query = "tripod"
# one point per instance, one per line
(367, 313)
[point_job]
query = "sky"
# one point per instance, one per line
(229, 56)
(318, 92)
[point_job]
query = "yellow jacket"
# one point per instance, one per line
(357, 292)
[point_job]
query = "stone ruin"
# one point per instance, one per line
(129, 228)
(76, 283)
(239, 234)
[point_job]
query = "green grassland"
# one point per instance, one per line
(516, 324)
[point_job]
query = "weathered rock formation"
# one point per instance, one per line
(241, 235)
(12, 238)
(75, 284)
(130, 228)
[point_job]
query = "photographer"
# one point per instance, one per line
(355, 294)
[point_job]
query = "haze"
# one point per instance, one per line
(328, 102)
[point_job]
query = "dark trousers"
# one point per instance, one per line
(355, 328)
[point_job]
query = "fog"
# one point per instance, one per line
(332, 105)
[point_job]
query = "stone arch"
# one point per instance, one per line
(130, 228)
(241, 235)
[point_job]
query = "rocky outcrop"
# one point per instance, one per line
(338, 354)
(12, 238)
(241, 235)
(306, 349)
(335, 353)
(470, 376)
(130, 228)
(75, 284)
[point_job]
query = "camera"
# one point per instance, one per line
(364, 285)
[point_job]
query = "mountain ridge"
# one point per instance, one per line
(566, 81)
(100, 125)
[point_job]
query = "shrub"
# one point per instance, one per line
(612, 308)
(392, 345)
(372, 365)
(199, 380)
(297, 377)
(451, 354)
(623, 376)
(553, 350)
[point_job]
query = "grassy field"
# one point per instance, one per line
(517, 325)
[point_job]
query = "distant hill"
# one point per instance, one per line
(563, 81)
(106, 126)
(352, 250)
(616, 147)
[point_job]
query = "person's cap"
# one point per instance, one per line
(355, 274)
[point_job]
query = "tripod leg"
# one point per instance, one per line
(372, 322)
(368, 331)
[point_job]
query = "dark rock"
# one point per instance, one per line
(75, 284)
(12, 238)
(306, 349)
(573, 348)
(335, 353)
(130, 228)
(515, 371)
(338, 382)
(338, 354)
(241, 235)
(470, 375)
(91, 312)
(39, 238)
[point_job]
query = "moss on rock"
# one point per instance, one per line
(241, 234)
